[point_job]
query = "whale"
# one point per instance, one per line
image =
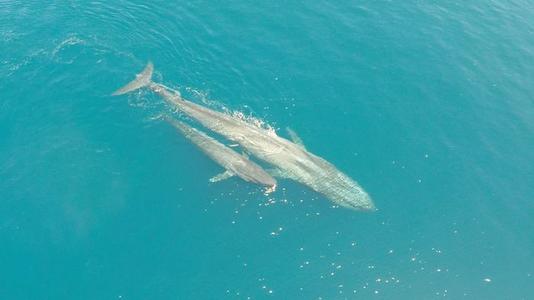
(289, 159)
(235, 164)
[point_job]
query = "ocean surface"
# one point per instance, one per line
(429, 105)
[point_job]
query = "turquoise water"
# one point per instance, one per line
(428, 105)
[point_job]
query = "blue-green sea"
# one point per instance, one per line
(429, 105)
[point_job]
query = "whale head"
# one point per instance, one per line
(345, 192)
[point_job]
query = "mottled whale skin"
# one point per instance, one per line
(233, 162)
(290, 160)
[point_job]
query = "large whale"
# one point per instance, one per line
(291, 160)
(233, 162)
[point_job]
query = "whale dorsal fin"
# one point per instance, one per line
(294, 137)
(224, 175)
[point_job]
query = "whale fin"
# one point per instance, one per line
(294, 137)
(142, 79)
(224, 175)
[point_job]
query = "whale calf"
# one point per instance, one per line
(233, 162)
(290, 159)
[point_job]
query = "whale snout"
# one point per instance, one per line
(268, 181)
(363, 205)
(349, 194)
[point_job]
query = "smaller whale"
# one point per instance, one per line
(233, 162)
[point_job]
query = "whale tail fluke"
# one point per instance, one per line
(142, 79)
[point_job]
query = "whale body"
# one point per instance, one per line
(233, 162)
(290, 159)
